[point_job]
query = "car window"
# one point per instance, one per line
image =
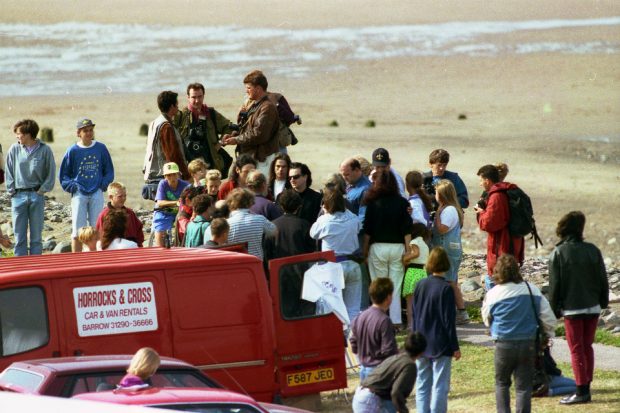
(24, 379)
(102, 381)
(23, 320)
(291, 286)
(209, 407)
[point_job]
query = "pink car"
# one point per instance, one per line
(68, 376)
(189, 400)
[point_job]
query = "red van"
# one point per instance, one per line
(211, 308)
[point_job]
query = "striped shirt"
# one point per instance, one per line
(250, 228)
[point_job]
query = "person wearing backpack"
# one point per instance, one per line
(494, 218)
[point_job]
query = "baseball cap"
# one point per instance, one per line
(82, 123)
(171, 168)
(380, 157)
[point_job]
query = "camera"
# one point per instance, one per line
(242, 118)
(482, 203)
(196, 134)
(194, 146)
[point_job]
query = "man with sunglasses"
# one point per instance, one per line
(300, 177)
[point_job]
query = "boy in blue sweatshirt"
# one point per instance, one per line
(85, 172)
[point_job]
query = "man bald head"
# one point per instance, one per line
(351, 170)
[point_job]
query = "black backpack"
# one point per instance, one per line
(522, 221)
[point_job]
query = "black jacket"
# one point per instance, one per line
(577, 277)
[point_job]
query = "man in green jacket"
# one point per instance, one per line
(200, 127)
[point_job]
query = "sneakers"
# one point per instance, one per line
(462, 317)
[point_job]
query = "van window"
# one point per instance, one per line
(23, 320)
(291, 283)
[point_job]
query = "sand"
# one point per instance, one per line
(546, 115)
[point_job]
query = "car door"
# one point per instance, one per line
(310, 346)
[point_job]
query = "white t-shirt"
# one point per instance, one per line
(449, 217)
(417, 210)
(118, 244)
(325, 282)
(423, 248)
(278, 186)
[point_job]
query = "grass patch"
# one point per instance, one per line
(7, 253)
(474, 313)
(601, 336)
(473, 388)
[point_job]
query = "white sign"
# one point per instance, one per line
(115, 309)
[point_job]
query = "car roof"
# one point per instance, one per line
(13, 402)
(92, 363)
(168, 395)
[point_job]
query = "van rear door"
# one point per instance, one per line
(114, 313)
(310, 347)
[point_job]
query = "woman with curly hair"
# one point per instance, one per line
(113, 232)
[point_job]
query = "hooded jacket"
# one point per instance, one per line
(494, 220)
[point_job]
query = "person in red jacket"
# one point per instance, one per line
(117, 195)
(493, 216)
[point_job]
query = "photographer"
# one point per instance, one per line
(200, 127)
(259, 124)
(438, 161)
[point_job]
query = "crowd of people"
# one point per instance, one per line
(397, 240)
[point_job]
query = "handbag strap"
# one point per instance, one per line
(540, 327)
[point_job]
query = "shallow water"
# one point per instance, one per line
(92, 58)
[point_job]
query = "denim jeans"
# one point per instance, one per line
(352, 293)
(561, 385)
(84, 210)
(27, 211)
(488, 283)
(433, 384)
(514, 357)
(365, 371)
(365, 401)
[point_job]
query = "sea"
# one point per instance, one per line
(93, 58)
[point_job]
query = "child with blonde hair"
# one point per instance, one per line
(447, 234)
(142, 366)
(89, 236)
(197, 170)
(213, 181)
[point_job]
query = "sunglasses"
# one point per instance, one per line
(295, 177)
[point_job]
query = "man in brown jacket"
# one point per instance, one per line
(259, 123)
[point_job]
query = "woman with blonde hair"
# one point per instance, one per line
(142, 366)
(447, 234)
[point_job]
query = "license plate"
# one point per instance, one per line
(309, 377)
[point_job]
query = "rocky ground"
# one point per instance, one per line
(57, 232)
